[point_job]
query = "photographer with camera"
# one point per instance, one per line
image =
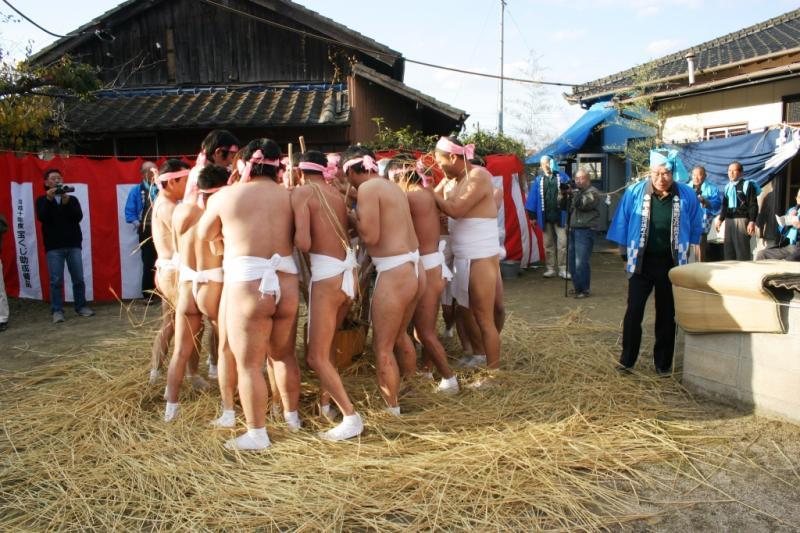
(60, 215)
(583, 220)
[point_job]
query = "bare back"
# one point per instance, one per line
(384, 219)
(320, 220)
(256, 218)
(194, 252)
(163, 209)
(425, 216)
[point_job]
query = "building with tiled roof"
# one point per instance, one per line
(174, 69)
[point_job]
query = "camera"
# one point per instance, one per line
(64, 189)
(565, 187)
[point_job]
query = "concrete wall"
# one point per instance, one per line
(760, 370)
(757, 106)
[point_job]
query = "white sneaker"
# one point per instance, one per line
(293, 420)
(549, 273)
(171, 411)
(563, 274)
(154, 375)
(448, 333)
(351, 426)
(448, 386)
(254, 439)
(226, 420)
(476, 361)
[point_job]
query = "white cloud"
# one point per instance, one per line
(663, 46)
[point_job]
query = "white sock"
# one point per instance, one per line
(350, 426)
(449, 385)
(393, 410)
(293, 420)
(426, 375)
(171, 411)
(154, 375)
(254, 439)
(226, 420)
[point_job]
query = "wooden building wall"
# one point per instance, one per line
(204, 45)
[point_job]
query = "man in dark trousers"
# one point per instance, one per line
(739, 211)
(60, 215)
(138, 215)
(656, 223)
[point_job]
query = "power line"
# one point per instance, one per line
(23, 15)
(379, 52)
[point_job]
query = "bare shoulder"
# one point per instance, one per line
(480, 175)
(420, 199)
(300, 194)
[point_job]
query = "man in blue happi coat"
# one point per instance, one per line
(655, 224)
(547, 206)
(710, 202)
(137, 214)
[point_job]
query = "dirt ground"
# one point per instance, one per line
(751, 482)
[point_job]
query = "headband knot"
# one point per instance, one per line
(368, 162)
(328, 172)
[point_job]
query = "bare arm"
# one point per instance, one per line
(368, 213)
(458, 206)
(302, 219)
(209, 227)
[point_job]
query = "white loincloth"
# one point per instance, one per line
(382, 264)
(173, 263)
(248, 268)
(471, 238)
(324, 267)
(199, 276)
(431, 261)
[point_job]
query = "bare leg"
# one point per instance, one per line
(274, 392)
(499, 306)
(482, 285)
(226, 369)
(327, 303)
(187, 324)
(248, 325)
(213, 343)
(471, 329)
(404, 346)
(461, 329)
(394, 292)
(282, 343)
(162, 340)
(425, 321)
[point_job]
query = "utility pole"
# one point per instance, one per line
(502, 35)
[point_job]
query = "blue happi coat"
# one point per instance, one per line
(632, 223)
(535, 202)
(714, 198)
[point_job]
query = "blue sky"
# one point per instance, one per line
(575, 40)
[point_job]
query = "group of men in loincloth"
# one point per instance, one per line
(230, 232)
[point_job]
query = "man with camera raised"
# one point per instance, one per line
(60, 215)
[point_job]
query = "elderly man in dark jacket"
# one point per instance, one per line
(584, 217)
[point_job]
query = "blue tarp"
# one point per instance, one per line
(573, 139)
(763, 155)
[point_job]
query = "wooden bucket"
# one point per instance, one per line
(348, 343)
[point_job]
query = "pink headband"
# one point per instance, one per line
(367, 162)
(256, 159)
(328, 172)
(334, 159)
(200, 201)
(426, 180)
(170, 176)
(446, 145)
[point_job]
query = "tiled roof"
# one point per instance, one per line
(769, 37)
(412, 94)
(160, 109)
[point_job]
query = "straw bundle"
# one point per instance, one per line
(560, 442)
